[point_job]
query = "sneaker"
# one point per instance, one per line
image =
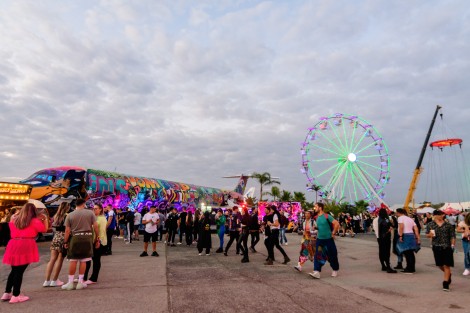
(334, 273)
(200, 253)
(225, 253)
(18, 299)
(56, 283)
(391, 271)
(208, 254)
(219, 250)
(144, 253)
(178, 243)
(298, 268)
(315, 274)
(47, 283)
(398, 267)
(6, 296)
(80, 286)
(245, 260)
(155, 253)
(466, 272)
(68, 286)
(89, 282)
(445, 286)
(286, 260)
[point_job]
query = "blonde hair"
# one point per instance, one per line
(59, 217)
(25, 215)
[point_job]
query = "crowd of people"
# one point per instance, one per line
(83, 236)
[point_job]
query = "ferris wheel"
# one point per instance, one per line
(345, 159)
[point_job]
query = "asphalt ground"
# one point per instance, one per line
(182, 281)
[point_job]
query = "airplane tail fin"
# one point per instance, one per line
(240, 188)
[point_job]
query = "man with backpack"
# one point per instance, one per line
(327, 227)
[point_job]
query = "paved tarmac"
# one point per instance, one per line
(182, 281)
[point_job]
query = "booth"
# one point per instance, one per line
(11, 195)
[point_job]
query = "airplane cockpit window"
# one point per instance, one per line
(44, 177)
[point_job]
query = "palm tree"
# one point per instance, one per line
(251, 202)
(316, 188)
(286, 196)
(299, 197)
(361, 205)
(264, 179)
(275, 193)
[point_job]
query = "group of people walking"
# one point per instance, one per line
(83, 236)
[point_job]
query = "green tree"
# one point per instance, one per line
(299, 197)
(286, 196)
(361, 206)
(251, 202)
(275, 193)
(316, 188)
(264, 179)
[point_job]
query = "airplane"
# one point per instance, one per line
(53, 186)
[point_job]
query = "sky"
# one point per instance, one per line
(191, 91)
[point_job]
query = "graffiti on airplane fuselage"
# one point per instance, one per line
(136, 191)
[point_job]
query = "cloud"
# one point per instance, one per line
(195, 92)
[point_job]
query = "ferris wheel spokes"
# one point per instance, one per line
(339, 140)
(330, 141)
(327, 186)
(368, 146)
(368, 164)
(325, 149)
(370, 186)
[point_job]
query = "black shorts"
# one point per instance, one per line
(147, 236)
(443, 256)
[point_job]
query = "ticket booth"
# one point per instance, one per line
(12, 196)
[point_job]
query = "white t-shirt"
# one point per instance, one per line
(151, 227)
(275, 218)
(408, 224)
(137, 218)
(451, 219)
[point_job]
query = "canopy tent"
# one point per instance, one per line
(458, 206)
(425, 210)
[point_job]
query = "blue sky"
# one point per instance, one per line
(192, 91)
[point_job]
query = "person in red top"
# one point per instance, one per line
(22, 249)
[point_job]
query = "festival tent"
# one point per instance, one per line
(425, 210)
(457, 206)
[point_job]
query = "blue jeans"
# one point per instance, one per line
(331, 251)
(221, 236)
(466, 254)
(283, 238)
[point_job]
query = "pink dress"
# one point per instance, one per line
(22, 248)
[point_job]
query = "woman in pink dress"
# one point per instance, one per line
(22, 249)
